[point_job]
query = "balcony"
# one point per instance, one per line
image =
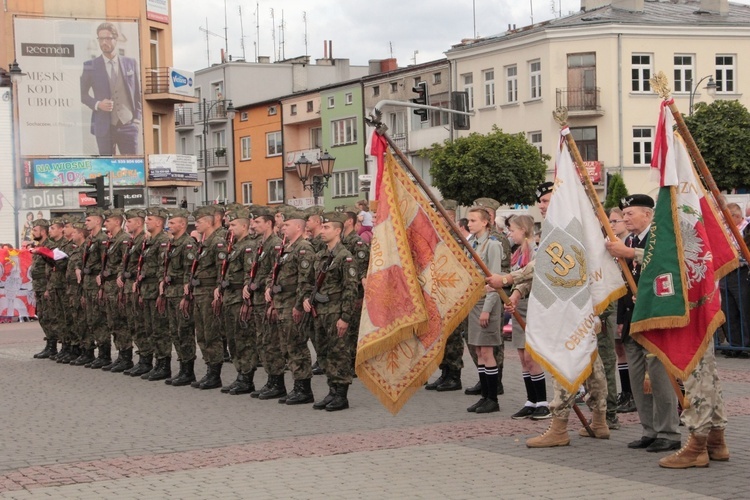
(401, 141)
(217, 111)
(581, 101)
(156, 87)
(184, 117)
(214, 162)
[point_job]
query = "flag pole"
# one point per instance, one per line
(661, 85)
(474, 255)
(561, 117)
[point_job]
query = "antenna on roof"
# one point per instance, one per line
(282, 51)
(304, 19)
(273, 32)
(242, 35)
(390, 45)
(257, 30)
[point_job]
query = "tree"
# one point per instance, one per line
(616, 191)
(722, 132)
(497, 165)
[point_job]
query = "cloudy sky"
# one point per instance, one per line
(359, 30)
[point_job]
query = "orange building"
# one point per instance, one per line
(259, 154)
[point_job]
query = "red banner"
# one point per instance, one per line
(16, 295)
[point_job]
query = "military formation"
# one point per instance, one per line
(251, 286)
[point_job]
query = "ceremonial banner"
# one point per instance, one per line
(16, 296)
(679, 307)
(575, 279)
(420, 286)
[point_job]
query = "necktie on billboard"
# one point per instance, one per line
(688, 249)
(575, 279)
(420, 286)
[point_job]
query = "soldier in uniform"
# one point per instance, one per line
(40, 270)
(55, 294)
(264, 317)
(239, 336)
(286, 294)
(118, 325)
(312, 228)
(74, 315)
(96, 333)
(152, 273)
(361, 254)
(212, 252)
(331, 302)
(134, 220)
(181, 326)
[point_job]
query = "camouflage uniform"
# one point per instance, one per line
(269, 347)
(74, 315)
(97, 331)
(39, 270)
(56, 301)
(292, 285)
(116, 321)
(596, 386)
(134, 311)
(605, 341)
(152, 272)
(181, 329)
(703, 391)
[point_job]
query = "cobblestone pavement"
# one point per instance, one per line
(70, 432)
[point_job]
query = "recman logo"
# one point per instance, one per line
(48, 49)
(179, 80)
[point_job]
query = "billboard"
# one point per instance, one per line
(181, 82)
(81, 95)
(73, 172)
(172, 168)
(157, 10)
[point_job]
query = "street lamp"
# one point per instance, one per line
(318, 182)
(710, 87)
(16, 75)
(230, 112)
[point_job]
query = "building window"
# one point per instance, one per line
(154, 39)
(275, 191)
(437, 78)
(345, 183)
(247, 193)
(344, 131)
(156, 127)
(331, 101)
(272, 110)
(417, 81)
(535, 79)
(489, 87)
(245, 148)
(243, 116)
(394, 87)
(316, 137)
(640, 72)
(642, 145)
(683, 73)
(220, 190)
(438, 118)
(468, 80)
(535, 138)
(310, 107)
(397, 124)
(586, 141)
(293, 109)
(376, 91)
(511, 84)
(274, 146)
(348, 98)
(183, 145)
(725, 74)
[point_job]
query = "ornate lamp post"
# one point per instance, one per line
(317, 182)
(710, 87)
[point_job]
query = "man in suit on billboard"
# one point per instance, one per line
(110, 86)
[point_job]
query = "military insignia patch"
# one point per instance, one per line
(222, 255)
(352, 272)
(249, 260)
(304, 264)
(361, 254)
(190, 256)
(188, 246)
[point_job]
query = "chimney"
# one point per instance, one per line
(720, 7)
(264, 59)
(325, 49)
(330, 49)
(587, 5)
(387, 65)
(628, 5)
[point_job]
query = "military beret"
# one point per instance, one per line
(179, 212)
(339, 217)
(40, 222)
(78, 225)
(94, 212)
(352, 209)
(232, 206)
(115, 212)
(284, 210)
(238, 213)
(157, 212)
(637, 200)
(449, 204)
(71, 218)
(487, 203)
(314, 210)
(218, 208)
(206, 211)
(296, 214)
(135, 212)
(259, 210)
(57, 221)
(543, 188)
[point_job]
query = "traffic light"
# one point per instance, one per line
(460, 102)
(422, 98)
(98, 183)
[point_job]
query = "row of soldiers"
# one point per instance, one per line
(261, 281)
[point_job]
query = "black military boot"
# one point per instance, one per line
(164, 371)
(265, 388)
(154, 369)
(112, 364)
(326, 400)
(49, 350)
(86, 357)
(340, 402)
(434, 385)
(225, 350)
(214, 377)
(227, 388)
(61, 353)
(302, 393)
(317, 370)
(69, 355)
(105, 357)
(169, 380)
(452, 381)
(188, 374)
(276, 390)
(244, 385)
(145, 365)
(126, 361)
(196, 384)
(289, 394)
